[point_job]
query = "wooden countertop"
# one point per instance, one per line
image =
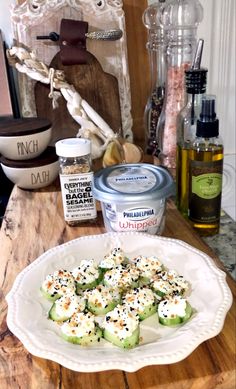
(34, 223)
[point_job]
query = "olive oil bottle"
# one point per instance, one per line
(206, 171)
(195, 80)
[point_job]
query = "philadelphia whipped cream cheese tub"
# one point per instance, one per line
(133, 197)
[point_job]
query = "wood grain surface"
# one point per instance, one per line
(139, 70)
(34, 223)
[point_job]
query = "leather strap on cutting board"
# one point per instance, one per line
(72, 42)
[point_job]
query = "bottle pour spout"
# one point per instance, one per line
(198, 55)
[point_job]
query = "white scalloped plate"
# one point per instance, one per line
(210, 297)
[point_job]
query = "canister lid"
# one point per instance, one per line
(73, 147)
(23, 126)
(132, 183)
(47, 157)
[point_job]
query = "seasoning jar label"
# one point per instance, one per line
(77, 197)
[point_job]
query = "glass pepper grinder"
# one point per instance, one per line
(180, 19)
(157, 60)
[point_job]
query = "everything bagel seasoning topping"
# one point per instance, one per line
(122, 276)
(59, 282)
(68, 304)
(172, 307)
(101, 296)
(139, 298)
(86, 272)
(79, 325)
(115, 257)
(121, 322)
(148, 266)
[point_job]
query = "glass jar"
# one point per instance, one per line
(76, 178)
(179, 20)
(157, 60)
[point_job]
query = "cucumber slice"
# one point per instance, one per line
(53, 315)
(160, 293)
(80, 287)
(91, 285)
(48, 296)
(57, 284)
(188, 313)
(124, 288)
(85, 340)
(101, 311)
(144, 281)
(103, 269)
(77, 305)
(127, 343)
(148, 311)
(177, 319)
(122, 277)
(170, 322)
(142, 301)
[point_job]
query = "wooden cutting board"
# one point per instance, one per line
(97, 87)
(34, 223)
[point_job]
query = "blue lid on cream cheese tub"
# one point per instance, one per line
(132, 182)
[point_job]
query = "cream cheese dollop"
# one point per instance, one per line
(121, 322)
(101, 296)
(172, 307)
(115, 257)
(164, 286)
(139, 298)
(68, 304)
(86, 272)
(59, 282)
(178, 282)
(122, 276)
(148, 266)
(79, 325)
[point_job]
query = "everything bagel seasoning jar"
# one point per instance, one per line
(76, 177)
(133, 197)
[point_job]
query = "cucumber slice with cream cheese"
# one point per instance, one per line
(174, 310)
(64, 307)
(126, 343)
(81, 329)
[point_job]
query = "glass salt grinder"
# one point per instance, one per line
(157, 62)
(179, 19)
(196, 81)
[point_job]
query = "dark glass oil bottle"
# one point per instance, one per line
(205, 172)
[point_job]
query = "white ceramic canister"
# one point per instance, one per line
(133, 197)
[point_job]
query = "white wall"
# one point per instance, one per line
(218, 32)
(5, 23)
